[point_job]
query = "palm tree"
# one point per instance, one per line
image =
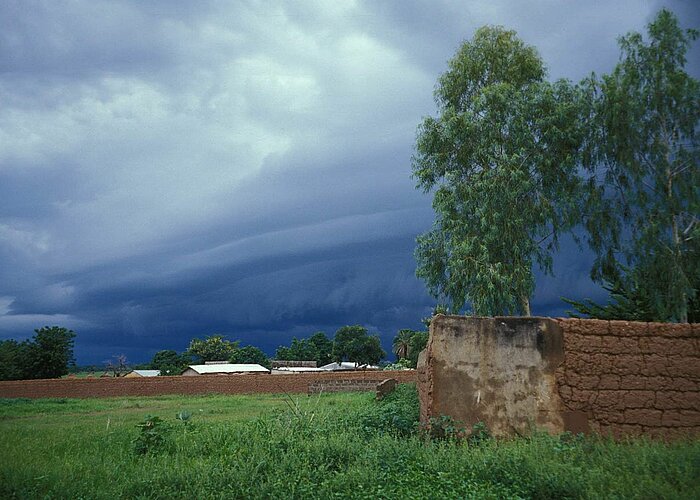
(402, 342)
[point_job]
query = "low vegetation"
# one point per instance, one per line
(331, 445)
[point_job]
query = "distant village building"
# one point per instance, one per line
(347, 366)
(223, 369)
(293, 363)
(142, 373)
(287, 370)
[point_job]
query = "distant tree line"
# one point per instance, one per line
(351, 343)
(48, 354)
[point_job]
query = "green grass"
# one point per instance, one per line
(343, 445)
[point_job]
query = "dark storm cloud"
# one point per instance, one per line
(174, 169)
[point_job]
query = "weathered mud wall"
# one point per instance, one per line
(496, 370)
(611, 377)
(629, 378)
(204, 384)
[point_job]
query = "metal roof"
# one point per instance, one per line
(347, 365)
(147, 373)
(297, 369)
(228, 368)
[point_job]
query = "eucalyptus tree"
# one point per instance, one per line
(644, 203)
(501, 159)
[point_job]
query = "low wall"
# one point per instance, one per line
(345, 385)
(629, 378)
(204, 384)
(610, 377)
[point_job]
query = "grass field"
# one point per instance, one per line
(335, 445)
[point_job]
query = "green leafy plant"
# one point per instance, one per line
(153, 435)
(183, 416)
(443, 428)
(397, 414)
(480, 434)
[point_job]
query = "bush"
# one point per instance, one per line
(396, 414)
(153, 435)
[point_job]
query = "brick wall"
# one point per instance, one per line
(629, 378)
(346, 385)
(615, 378)
(204, 384)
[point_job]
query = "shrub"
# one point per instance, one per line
(152, 437)
(396, 414)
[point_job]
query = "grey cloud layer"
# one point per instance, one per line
(170, 169)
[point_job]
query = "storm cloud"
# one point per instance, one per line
(176, 169)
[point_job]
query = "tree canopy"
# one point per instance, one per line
(212, 348)
(250, 354)
(644, 187)
(408, 344)
(353, 343)
(169, 362)
(318, 348)
(48, 354)
(500, 158)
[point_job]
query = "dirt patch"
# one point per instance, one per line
(205, 384)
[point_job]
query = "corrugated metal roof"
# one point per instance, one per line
(347, 365)
(228, 368)
(297, 369)
(147, 373)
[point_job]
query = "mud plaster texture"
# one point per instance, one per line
(609, 377)
(500, 371)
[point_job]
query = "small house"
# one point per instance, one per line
(346, 366)
(142, 373)
(224, 369)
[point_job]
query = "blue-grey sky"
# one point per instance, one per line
(172, 169)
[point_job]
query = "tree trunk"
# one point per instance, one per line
(525, 306)
(683, 306)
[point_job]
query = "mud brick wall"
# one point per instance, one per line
(346, 385)
(500, 371)
(204, 384)
(609, 377)
(629, 378)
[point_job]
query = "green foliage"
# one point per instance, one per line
(211, 348)
(480, 434)
(317, 348)
(401, 364)
(418, 342)
(353, 343)
(396, 414)
(153, 436)
(319, 449)
(183, 416)
(49, 354)
(634, 304)
(400, 343)
(408, 344)
(438, 309)
(14, 360)
(501, 160)
(643, 198)
(250, 354)
(443, 428)
(169, 362)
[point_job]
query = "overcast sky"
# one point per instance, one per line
(176, 169)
